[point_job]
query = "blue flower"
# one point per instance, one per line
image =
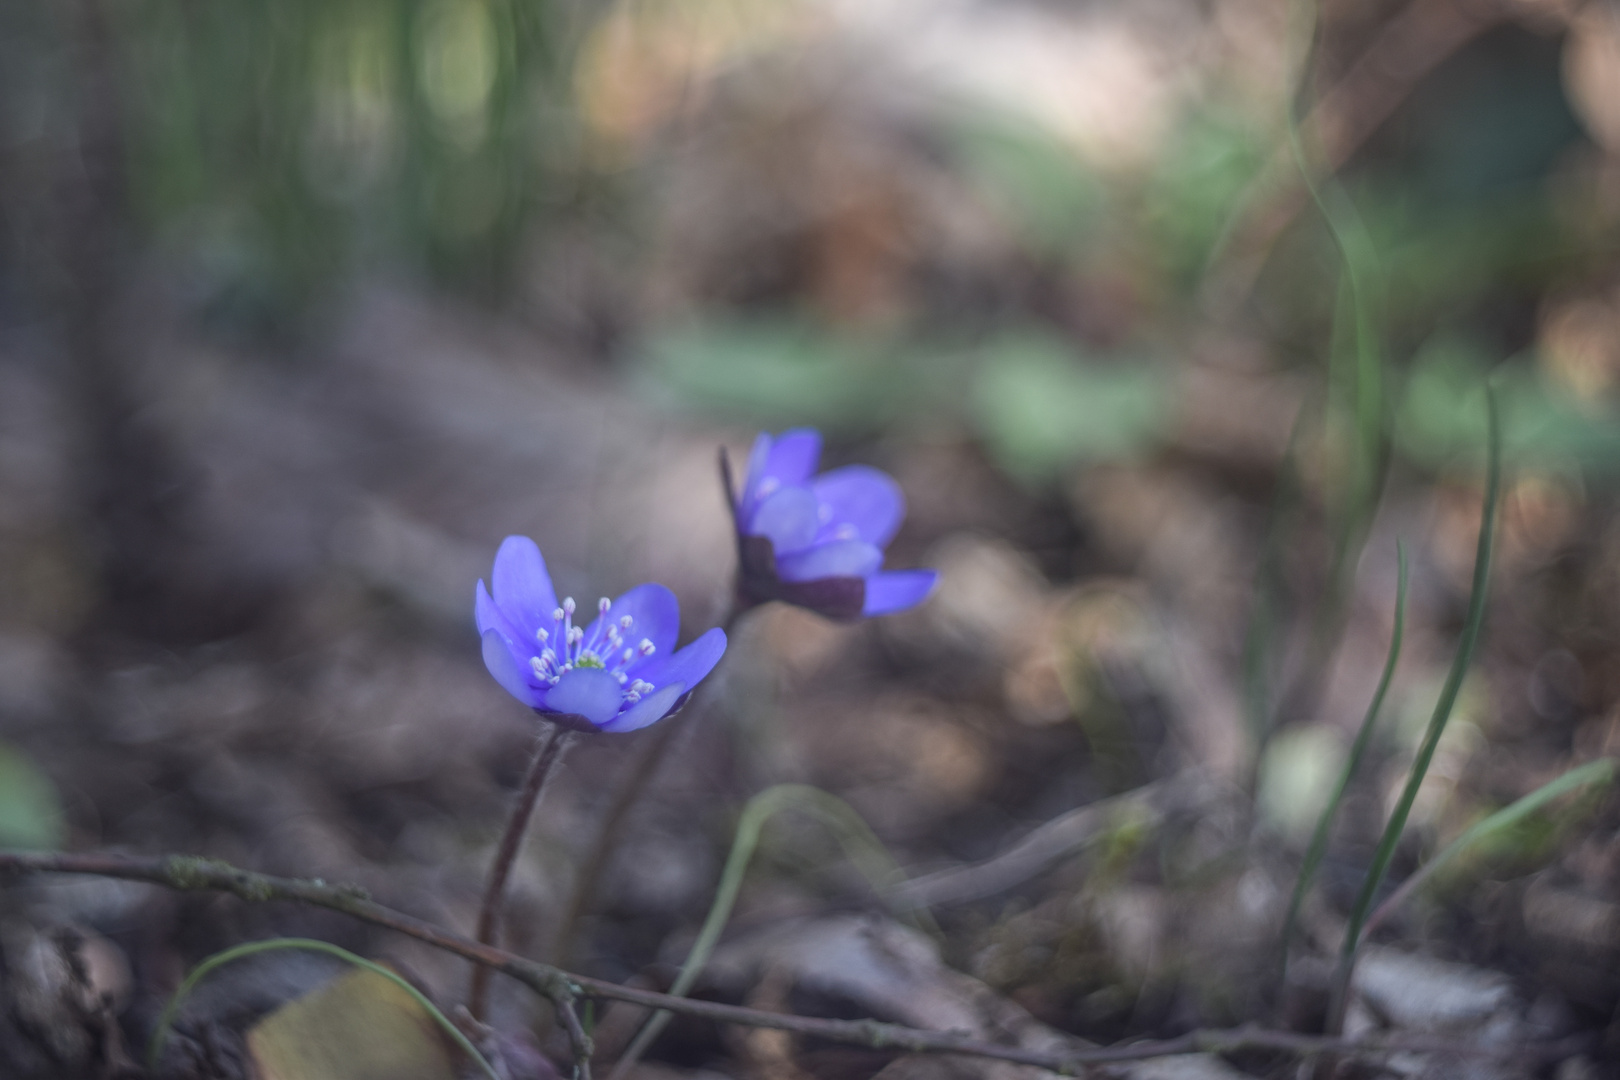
(620, 673)
(817, 541)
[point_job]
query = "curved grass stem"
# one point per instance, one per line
(1437, 721)
(165, 1022)
(188, 874)
(1601, 771)
(860, 844)
(1358, 750)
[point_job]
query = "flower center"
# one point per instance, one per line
(564, 647)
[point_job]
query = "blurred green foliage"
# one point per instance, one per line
(30, 814)
(1034, 180)
(1040, 407)
(277, 144)
(1196, 187)
(783, 370)
(1543, 424)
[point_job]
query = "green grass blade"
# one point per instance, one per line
(1357, 314)
(1601, 771)
(1358, 750)
(166, 1021)
(860, 844)
(1259, 639)
(1442, 712)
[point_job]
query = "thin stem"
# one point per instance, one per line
(578, 1040)
(1437, 721)
(649, 756)
(166, 1021)
(546, 757)
(859, 842)
(189, 873)
(655, 749)
(653, 752)
(1600, 771)
(1368, 456)
(1358, 750)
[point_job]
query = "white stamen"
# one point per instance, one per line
(647, 647)
(576, 634)
(542, 635)
(602, 605)
(557, 615)
(568, 605)
(629, 655)
(538, 666)
(626, 622)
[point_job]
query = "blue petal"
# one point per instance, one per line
(647, 711)
(792, 457)
(507, 670)
(755, 473)
(489, 617)
(522, 587)
(897, 590)
(657, 616)
(858, 502)
(688, 666)
(786, 518)
(588, 692)
(840, 558)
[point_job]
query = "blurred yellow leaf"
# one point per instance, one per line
(360, 1026)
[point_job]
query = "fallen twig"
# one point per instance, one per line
(189, 873)
(1041, 847)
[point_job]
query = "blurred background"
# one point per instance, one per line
(305, 305)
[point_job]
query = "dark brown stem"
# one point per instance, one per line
(649, 755)
(655, 749)
(546, 756)
(192, 873)
(578, 1041)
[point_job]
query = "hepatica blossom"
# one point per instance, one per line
(817, 541)
(619, 673)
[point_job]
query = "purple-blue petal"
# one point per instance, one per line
(839, 558)
(488, 617)
(522, 587)
(791, 459)
(748, 498)
(588, 692)
(656, 614)
(858, 502)
(507, 670)
(647, 711)
(787, 518)
(687, 666)
(897, 590)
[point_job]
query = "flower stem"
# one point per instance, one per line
(655, 749)
(652, 752)
(547, 755)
